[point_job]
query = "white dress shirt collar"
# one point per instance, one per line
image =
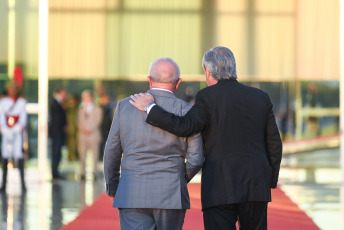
(89, 108)
(152, 105)
(162, 90)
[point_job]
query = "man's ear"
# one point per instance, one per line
(179, 81)
(205, 68)
(209, 77)
(150, 81)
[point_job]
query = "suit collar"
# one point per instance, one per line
(228, 80)
(161, 93)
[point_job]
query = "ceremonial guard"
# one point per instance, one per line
(13, 119)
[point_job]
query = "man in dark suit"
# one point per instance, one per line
(58, 127)
(242, 145)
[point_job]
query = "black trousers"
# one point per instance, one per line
(250, 215)
(57, 143)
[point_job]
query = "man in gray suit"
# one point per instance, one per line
(156, 166)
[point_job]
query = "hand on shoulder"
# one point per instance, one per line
(141, 100)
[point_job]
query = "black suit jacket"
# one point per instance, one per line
(58, 120)
(242, 145)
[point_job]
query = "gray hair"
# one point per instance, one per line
(156, 76)
(221, 63)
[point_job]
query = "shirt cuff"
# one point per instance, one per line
(150, 107)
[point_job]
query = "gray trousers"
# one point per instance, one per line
(151, 219)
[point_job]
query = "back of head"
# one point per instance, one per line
(164, 70)
(12, 84)
(59, 89)
(221, 63)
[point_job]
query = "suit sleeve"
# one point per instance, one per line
(193, 121)
(113, 155)
(273, 146)
(194, 156)
(58, 115)
(64, 118)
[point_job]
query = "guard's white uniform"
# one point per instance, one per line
(13, 119)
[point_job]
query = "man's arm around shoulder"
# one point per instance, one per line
(193, 121)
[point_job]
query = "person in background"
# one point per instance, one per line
(58, 128)
(89, 136)
(2, 95)
(13, 120)
(108, 105)
(189, 96)
(72, 113)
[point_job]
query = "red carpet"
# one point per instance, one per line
(282, 214)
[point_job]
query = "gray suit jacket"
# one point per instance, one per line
(154, 173)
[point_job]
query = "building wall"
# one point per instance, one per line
(119, 40)
(273, 40)
(19, 36)
(317, 40)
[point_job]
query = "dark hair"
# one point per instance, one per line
(59, 89)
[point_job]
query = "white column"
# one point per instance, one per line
(342, 106)
(43, 89)
(11, 37)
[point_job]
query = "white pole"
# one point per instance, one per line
(11, 37)
(342, 106)
(43, 89)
